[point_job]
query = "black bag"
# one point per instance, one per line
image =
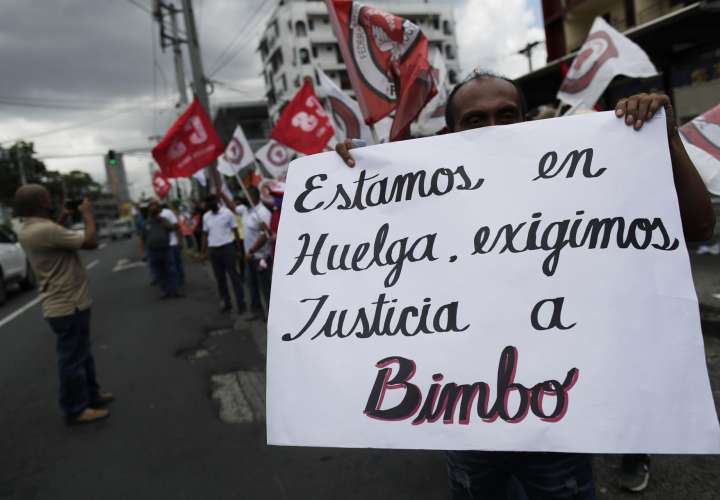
(158, 236)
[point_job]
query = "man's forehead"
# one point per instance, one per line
(486, 92)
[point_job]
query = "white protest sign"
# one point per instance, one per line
(523, 287)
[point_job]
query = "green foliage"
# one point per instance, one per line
(72, 185)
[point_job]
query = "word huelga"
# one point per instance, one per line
(369, 191)
(450, 400)
(386, 318)
(333, 257)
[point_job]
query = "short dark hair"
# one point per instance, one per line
(479, 74)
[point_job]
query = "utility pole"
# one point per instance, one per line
(177, 57)
(527, 52)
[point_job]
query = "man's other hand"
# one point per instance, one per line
(639, 108)
(343, 149)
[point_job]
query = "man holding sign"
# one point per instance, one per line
(581, 406)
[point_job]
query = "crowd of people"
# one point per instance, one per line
(236, 235)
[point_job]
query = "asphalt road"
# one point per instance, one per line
(164, 438)
(168, 435)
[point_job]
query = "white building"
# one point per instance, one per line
(299, 34)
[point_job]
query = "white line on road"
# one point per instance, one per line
(25, 307)
(102, 245)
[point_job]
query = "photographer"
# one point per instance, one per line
(52, 252)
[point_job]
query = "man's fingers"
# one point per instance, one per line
(343, 149)
(620, 107)
(631, 111)
(642, 112)
(655, 105)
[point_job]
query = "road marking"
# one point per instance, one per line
(123, 264)
(7, 319)
(18, 312)
(102, 245)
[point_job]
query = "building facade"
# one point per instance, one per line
(299, 34)
(680, 37)
(252, 116)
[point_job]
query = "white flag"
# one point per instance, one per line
(702, 142)
(432, 118)
(346, 116)
(275, 157)
(238, 154)
(200, 177)
(605, 54)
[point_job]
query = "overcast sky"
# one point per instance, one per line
(80, 77)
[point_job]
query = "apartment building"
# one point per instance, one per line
(299, 34)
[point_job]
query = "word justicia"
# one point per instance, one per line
(372, 190)
(451, 401)
(579, 232)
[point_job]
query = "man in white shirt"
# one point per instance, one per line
(258, 250)
(175, 247)
(222, 242)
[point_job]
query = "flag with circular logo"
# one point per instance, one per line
(237, 156)
(275, 157)
(605, 54)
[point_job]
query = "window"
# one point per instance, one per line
(452, 77)
(304, 56)
(300, 29)
(314, 52)
(311, 24)
(436, 22)
(283, 83)
(447, 27)
(345, 81)
(449, 52)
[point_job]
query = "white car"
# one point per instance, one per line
(14, 266)
(121, 228)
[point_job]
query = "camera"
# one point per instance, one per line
(72, 205)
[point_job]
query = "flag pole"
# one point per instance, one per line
(374, 134)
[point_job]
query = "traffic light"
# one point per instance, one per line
(112, 158)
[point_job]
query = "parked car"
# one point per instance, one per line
(14, 266)
(121, 228)
(103, 231)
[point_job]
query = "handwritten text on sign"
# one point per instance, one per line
(522, 287)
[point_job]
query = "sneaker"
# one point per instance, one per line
(88, 415)
(635, 472)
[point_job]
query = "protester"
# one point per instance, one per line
(175, 247)
(158, 232)
(198, 232)
(52, 252)
(258, 254)
(484, 99)
(139, 222)
(222, 242)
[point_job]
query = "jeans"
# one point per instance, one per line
(224, 263)
(178, 261)
(163, 268)
(478, 475)
(260, 281)
(76, 366)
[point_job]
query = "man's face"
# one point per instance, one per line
(486, 102)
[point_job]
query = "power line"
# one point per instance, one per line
(243, 30)
(140, 6)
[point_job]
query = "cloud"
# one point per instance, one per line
(490, 32)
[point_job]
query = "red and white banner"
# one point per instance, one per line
(189, 145)
(275, 157)
(304, 125)
(702, 142)
(238, 154)
(605, 54)
(161, 185)
(347, 118)
(432, 117)
(387, 61)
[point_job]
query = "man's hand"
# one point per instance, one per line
(638, 109)
(343, 149)
(85, 208)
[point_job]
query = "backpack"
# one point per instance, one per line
(157, 237)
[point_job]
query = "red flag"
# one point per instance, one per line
(189, 145)
(161, 184)
(304, 125)
(387, 61)
(704, 131)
